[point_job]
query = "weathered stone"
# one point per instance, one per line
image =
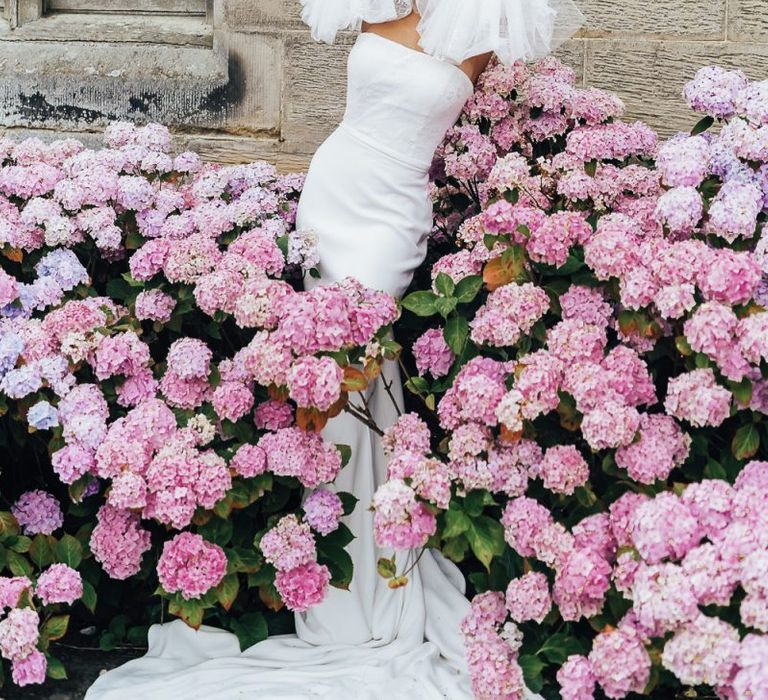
(650, 75)
(314, 90)
(243, 15)
(674, 18)
(748, 20)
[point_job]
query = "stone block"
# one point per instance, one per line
(748, 20)
(245, 15)
(691, 19)
(650, 75)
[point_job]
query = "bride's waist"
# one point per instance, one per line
(391, 150)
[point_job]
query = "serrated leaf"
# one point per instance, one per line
(227, 590)
(468, 288)
(68, 551)
(55, 627)
(55, 668)
(40, 551)
(456, 333)
(89, 597)
(746, 442)
(421, 303)
(486, 538)
(444, 284)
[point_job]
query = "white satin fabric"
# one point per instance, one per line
(455, 30)
(366, 198)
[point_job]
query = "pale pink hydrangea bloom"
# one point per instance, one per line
(289, 544)
(304, 455)
(663, 598)
(581, 584)
(576, 679)
(315, 382)
(510, 311)
(432, 353)
(662, 447)
(19, 633)
(563, 469)
(59, 583)
(118, 542)
(11, 589)
(620, 662)
(323, 510)
(702, 652)
(696, 397)
(400, 521)
(30, 669)
(527, 598)
(409, 433)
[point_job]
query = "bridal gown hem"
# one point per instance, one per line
(366, 197)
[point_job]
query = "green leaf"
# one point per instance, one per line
(444, 305)
(417, 385)
(456, 549)
(40, 551)
(55, 668)
(191, 611)
(486, 538)
(339, 562)
(8, 525)
(746, 442)
(68, 551)
(107, 641)
(702, 125)
(89, 596)
(250, 629)
(348, 501)
(444, 284)
(421, 303)
(19, 564)
(742, 391)
(715, 470)
(476, 500)
(456, 523)
(346, 453)
(559, 647)
(55, 627)
(19, 543)
(532, 667)
(386, 568)
(456, 332)
(468, 288)
(227, 590)
(218, 531)
(590, 168)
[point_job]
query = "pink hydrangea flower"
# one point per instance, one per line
(19, 633)
(581, 584)
(315, 382)
(289, 544)
(703, 652)
(563, 469)
(38, 512)
(30, 669)
(664, 528)
(528, 598)
(304, 455)
(510, 311)
(400, 521)
(663, 598)
(118, 542)
(11, 589)
(576, 679)
(696, 397)
(190, 565)
(323, 510)
(304, 586)
(620, 662)
(432, 353)
(662, 447)
(59, 583)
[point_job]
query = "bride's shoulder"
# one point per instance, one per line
(455, 30)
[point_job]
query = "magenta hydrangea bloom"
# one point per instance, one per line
(190, 565)
(432, 353)
(304, 586)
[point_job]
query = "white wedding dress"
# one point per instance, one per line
(366, 198)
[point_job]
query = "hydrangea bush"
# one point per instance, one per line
(586, 349)
(162, 366)
(591, 435)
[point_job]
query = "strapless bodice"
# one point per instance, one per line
(400, 100)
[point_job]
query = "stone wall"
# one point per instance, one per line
(246, 81)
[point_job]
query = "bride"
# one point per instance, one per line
(410, 72)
